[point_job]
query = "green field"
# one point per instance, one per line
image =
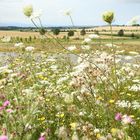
(127, 44)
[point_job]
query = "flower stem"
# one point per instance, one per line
(114, 58)
(71, 20)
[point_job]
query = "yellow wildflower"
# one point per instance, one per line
(73, 125)
(60, 115)
(111, 101)
(98, 136)
(41, 119)
(114, 131)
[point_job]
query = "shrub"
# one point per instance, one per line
(121, 32)
(70, 33)
(132, 35)
(56, 31)
(83, 32)
(96, 32)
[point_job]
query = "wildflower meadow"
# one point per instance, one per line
(77, 93)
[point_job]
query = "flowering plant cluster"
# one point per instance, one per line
(50, 97)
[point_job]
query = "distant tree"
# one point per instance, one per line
(132, 35)
(70, 33)
(83, 32)
(96, 32)
(56, 31)
(121, 32)
(135, 25)
(42, 31)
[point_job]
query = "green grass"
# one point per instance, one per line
(127, 44)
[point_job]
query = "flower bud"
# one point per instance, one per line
(108, 16)
(67, 12)
(28, 10)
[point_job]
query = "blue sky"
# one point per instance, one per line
(84, 12)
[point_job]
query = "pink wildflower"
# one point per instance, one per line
(6, 103)
(42, 138)
(9, 110)
(1, 108)
(3, 137)
(118, 116)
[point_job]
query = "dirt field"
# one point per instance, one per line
(18, 34)
(102, 30)
(117, 28)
